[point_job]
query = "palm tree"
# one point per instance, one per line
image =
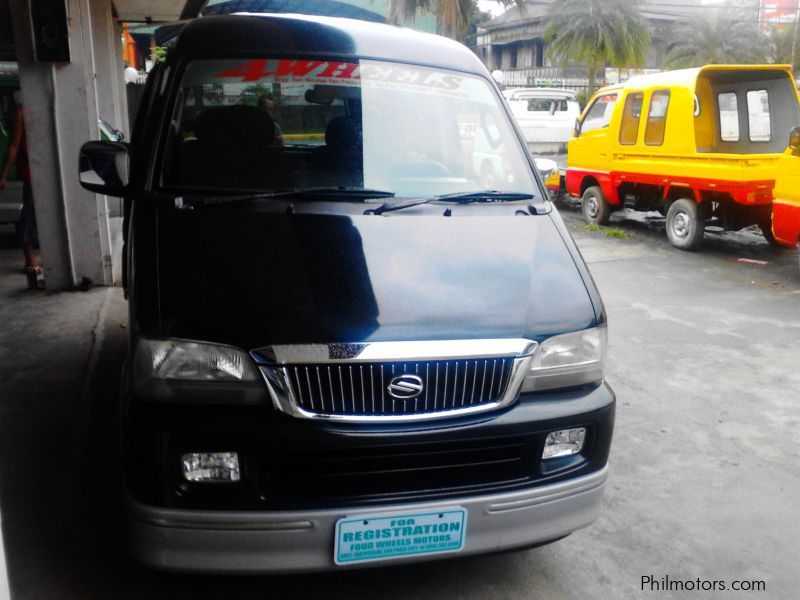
(452, 16)
(597, 33)
(728, 39)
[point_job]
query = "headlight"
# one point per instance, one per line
(180, 360)
(567, 360)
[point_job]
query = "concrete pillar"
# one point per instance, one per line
(62, 101)
(110, 104)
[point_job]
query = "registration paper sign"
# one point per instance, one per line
(382, 537)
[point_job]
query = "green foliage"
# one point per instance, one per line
(452, 16)
(255, 91)
(609, 231)
(730, 38)
(615, 233)
(475, 17)
(159, 53)
(783, 48)
(597, 33)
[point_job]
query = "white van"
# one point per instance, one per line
(546, 116)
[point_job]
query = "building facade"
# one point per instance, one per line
(513, 43)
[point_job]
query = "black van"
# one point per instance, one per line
(359, 330)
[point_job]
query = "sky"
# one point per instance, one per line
(491, 6)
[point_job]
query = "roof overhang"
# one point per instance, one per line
(157, 11)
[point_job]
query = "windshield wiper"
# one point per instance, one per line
(458, 197)
(329, 193)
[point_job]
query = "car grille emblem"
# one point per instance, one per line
(404, 387)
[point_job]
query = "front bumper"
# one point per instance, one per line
(303, 541)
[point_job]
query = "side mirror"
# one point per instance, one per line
(577, 130)
(103, 167)
(794, 140)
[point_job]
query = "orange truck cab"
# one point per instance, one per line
(701, 146)
(786, 205)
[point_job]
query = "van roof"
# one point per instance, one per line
(687, 77)
(542, 92)
(253, 34)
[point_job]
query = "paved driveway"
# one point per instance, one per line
(705, 360)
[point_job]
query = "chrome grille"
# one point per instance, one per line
(360, 389)
(435, 379)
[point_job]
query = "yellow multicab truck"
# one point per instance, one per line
(699, 145)
(786, 206)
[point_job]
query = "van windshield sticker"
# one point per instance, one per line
(342, 73)
(292, 70)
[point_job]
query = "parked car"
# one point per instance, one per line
(352, 352)
(699, 145)
(786, 206)
(546, 116)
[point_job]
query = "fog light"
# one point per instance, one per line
(211, 466)
(565, 442)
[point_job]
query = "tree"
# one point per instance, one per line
(452, 16)
(475, 18)
(597, 33)
(783, 45)
(726, 39)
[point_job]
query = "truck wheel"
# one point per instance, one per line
(594, 206)
(766, 231)
(685, 226)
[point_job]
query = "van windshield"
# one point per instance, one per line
(261, 125)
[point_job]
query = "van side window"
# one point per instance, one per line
(657, 118)
(599, 114)
(728, 117)
(631, 114)
(758, 116)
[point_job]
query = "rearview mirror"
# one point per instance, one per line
(794, 140)
(103, 167)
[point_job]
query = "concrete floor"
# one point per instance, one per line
(705, 480)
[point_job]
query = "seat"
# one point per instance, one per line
(235, 148)
(341, 159)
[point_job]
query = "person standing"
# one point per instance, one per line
(267, 103)
(18, 154)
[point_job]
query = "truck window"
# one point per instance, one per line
(728, 117)
(546, 105)
(657, 118)
(599, 113)
(758, 116)
(539, 104)
(631, 114)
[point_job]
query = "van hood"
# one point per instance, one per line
(254, 278)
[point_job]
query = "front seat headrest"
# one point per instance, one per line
(235, 125)
(344, 134)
